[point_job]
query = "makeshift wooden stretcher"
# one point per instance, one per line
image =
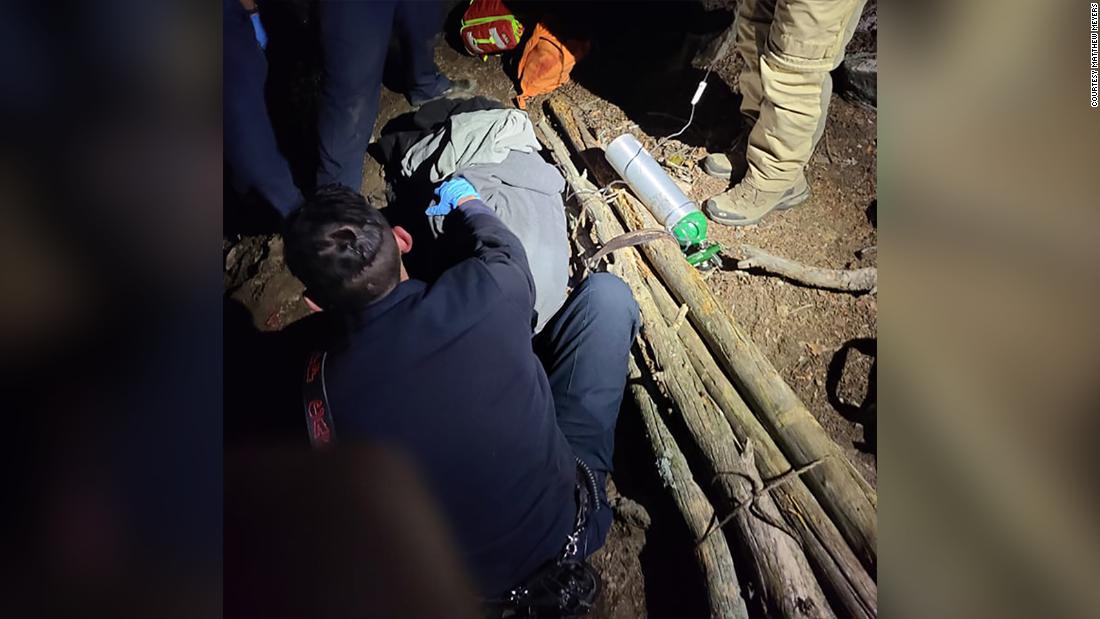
(800, 515)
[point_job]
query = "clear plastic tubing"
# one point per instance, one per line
(649, 181)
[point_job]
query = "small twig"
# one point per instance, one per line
(680, 316)
(679, 151)
(616, 132)
(587, 138)
(601, 191)
(577, 226)
(866, 250)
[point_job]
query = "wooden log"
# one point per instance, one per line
(723, 589)
(849, 280)
(715, 560)
(838, 567)
(786, 582)
(841, 571)
(840, 489)
(787, 585)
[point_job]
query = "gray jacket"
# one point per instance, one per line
(526, 193)
(496, 150)
(472, 138)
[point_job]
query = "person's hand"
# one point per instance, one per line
(452, 193)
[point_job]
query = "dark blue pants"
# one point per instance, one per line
(585, 348)
(253, 157)
(355, 37)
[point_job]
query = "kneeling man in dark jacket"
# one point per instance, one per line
(503, 426)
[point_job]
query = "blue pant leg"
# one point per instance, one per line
(251, 152)
(354, 39)
(417, 23)
(585, 348)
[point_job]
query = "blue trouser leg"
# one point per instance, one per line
(585, 348)
(355, 37)
(255, 163)
(417, 24)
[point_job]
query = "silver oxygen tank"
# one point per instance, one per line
(668, 203)
(645, 176)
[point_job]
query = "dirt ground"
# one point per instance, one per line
(822, 342)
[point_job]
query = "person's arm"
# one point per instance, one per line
(485, 247)
(492, 247)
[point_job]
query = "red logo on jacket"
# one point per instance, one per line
(318, 427)
(314, 367)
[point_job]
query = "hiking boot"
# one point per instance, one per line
(745, 205)
(459, 89)
(723, 166)
(732, 166)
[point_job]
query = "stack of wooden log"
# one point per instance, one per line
(800, 519)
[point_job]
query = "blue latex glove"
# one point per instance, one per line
(258, 27)
(449, 194)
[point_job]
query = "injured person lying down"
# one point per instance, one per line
(496, 151)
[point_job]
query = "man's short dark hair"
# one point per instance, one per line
(342, 249)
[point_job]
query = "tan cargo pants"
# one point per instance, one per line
(789, 47)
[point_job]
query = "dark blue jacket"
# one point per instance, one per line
(447, 373)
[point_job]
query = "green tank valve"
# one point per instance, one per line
(704, 257)
(691, 229)
(691, 232)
